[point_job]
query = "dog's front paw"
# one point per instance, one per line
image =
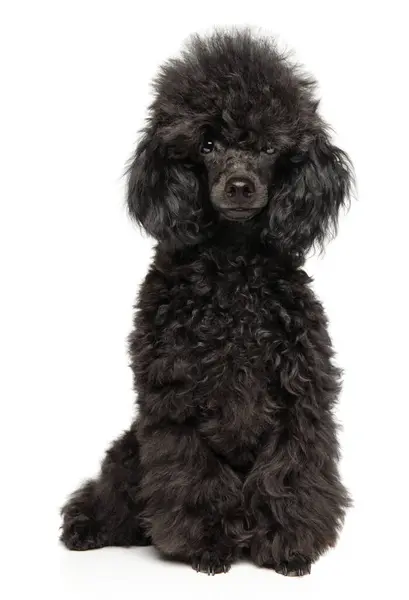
(296, 567)
(211, 563)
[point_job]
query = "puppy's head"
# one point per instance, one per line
(234, 137)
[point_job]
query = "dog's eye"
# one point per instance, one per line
(270, 150)
(207, 147)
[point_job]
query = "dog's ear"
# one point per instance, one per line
(163, 193)
(316, 185)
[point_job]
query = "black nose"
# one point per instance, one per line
(239, 188)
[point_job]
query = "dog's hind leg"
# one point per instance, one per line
(106, 511)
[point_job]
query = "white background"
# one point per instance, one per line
(75, 86)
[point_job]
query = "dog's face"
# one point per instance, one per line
(234, 138)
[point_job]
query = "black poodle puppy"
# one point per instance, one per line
(234, 449)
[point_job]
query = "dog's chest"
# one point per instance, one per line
(226, 327)
(239, 326)
(229, 319)
(223, 330)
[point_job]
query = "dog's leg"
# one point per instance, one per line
(106, 511)
(294, 492)
(296, 499)
(193, 501)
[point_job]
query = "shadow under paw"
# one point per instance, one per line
(211, 563)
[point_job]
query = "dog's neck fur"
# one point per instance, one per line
(227, 251)
(230, 243)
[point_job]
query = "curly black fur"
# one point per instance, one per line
(234, 448)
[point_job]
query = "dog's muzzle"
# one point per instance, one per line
(240, 198)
